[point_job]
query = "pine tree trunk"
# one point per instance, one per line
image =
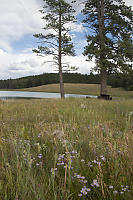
(103, 87)
(103, 73)
(62, 93)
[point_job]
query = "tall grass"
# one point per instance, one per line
(66, 149)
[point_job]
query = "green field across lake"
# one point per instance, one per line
(87, 89)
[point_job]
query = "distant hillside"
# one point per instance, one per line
(114, 80)
(48, 78)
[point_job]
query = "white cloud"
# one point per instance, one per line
(81, 63)
(75, 27)
(24, 64)
(18, 18)
(129, 2)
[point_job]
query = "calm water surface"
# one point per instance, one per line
(19, 94)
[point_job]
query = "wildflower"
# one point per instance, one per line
(36, 144)
(61, 163)
(82, 160)
(74, 152)
(82, 177)
(111, 187)
(75, 174)
(53, 169)
(124, 189)
(95, 183)
(89, 163)
(58, 164)
(78, 176)
(83, 106)
(80, 195)
(40, 156)
(103, 158)
(131, 113)
(99, 163)
(83, 191)
(61, 156)
(72, 156)
(71, 167)
(115, 191)
(85, 181)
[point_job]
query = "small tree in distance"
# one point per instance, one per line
(110, 39)
(56, 40)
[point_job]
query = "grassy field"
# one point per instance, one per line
(66, 149)
(87, 89)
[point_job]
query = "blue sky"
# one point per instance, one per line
(19, 20)
(26, 41)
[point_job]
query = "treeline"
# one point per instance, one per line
(47, 78)
(114, 80)
(124, 80)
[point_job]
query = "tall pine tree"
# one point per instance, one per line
(109, 37)
(56, 39)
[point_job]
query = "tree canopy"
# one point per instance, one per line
(110, 38)
(56, 40)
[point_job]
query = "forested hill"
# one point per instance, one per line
(115, 80)
(47, 78)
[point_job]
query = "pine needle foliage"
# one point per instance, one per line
(55, 39)
(110, 38)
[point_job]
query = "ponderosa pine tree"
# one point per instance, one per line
(56, 39)
(109, 37)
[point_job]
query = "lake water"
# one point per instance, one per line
(27, 95)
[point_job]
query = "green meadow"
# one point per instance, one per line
(70, 149)
(87, 89)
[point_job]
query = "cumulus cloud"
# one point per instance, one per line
(18, 18)
(129, 2)
(29, 64)
(80, 63)
(23, 64)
